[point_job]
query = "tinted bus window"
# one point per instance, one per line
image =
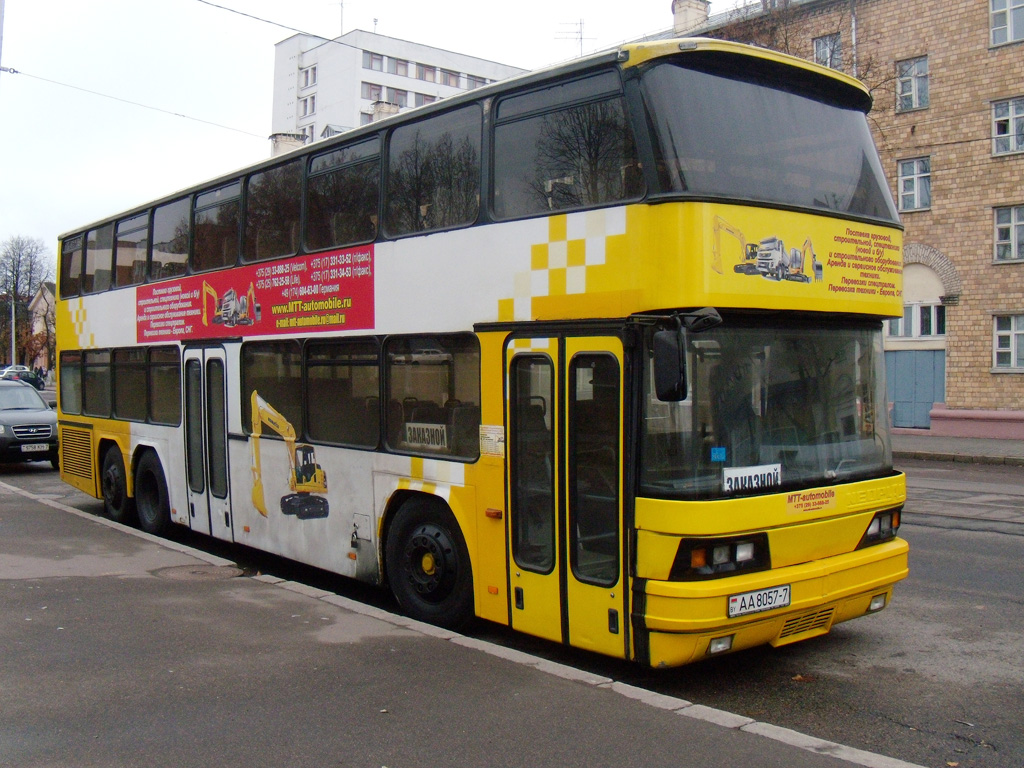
(71, 382)
(130, 384)
(273, 370)
(171, 229)
(216, 224)
(99, 253)
(273, 201)
(96, 383)
(342, 196)
(164, 385)
(433, 173)
(343, 385)
(561, 157)
(433, 395)
(130, 248)
(71, 266)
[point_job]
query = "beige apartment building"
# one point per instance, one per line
(948, 119)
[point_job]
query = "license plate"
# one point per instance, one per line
(759, 600)
(34, 447)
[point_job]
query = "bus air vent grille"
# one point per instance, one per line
(76, 452)
(816, 621)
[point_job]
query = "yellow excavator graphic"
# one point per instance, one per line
(305, 477)
(749, 264)
(770, 258)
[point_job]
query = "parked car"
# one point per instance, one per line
(23, 373)
(28, 426)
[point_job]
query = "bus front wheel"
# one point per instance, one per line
(151, 495)
(427, 565)
(116, 502)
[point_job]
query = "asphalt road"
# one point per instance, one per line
(936, 679)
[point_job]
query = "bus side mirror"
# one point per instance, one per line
(669, 366)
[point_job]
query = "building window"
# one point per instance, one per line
(919, 321)
(1010, 233)
(472, 81)
(423, 98)
(915, 184)
(1008, 341)
(1007, 21)
(307, 77)
(401, 98)
(912, 84)
(374, 61)
(372, 91)
(423, 72)
(1008, 125)
(309, 132)
(450, 79)
(398, 67)
(307, 106)
(828, 51)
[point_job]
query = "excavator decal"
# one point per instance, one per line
(769, 258)
(305, 477)
(231, 309)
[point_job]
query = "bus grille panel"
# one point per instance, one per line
(808, 622)
(76, 453)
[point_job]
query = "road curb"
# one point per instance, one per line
(959, 458)
(650, 698)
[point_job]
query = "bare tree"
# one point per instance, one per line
(788, 27)
(25, 264)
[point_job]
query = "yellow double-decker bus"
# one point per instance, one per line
(595, 353)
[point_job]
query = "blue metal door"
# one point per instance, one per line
(916, 380)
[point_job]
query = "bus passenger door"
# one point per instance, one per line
(565, 481)
(206, 454)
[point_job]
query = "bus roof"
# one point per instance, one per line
(627, 56)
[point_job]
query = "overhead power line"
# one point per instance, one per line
(277, 23)
(13, 71)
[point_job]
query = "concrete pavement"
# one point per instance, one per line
(120, 649)
(919, 444)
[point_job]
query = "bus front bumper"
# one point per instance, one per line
(687, 621)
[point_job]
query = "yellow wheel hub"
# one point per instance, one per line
(428, 565)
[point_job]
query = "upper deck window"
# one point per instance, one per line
(216, 228)
(99, 252)
(770, 138)
(130, 246)
(433, 173)
(71, 266)
(272, 204)
(171, 228)
(564, 147)
(341, 196)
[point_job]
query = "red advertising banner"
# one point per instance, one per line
(321, 292)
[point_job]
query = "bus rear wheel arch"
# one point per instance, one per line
(427, 564)
(151, 498)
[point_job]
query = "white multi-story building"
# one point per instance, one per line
(323, 87)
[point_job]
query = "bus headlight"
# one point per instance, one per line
(698, 559)
(883, 527)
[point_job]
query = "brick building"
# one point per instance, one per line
(948, 119)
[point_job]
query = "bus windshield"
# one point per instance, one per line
(717, 135)
(769, 408)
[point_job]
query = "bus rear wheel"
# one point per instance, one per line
(151, 495)
(116, 502)
(427, 565)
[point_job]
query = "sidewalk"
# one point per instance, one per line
(978, 450)
(121, 649)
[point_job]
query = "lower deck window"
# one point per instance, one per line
(433, 395)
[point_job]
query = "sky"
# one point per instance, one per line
(192, 84)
